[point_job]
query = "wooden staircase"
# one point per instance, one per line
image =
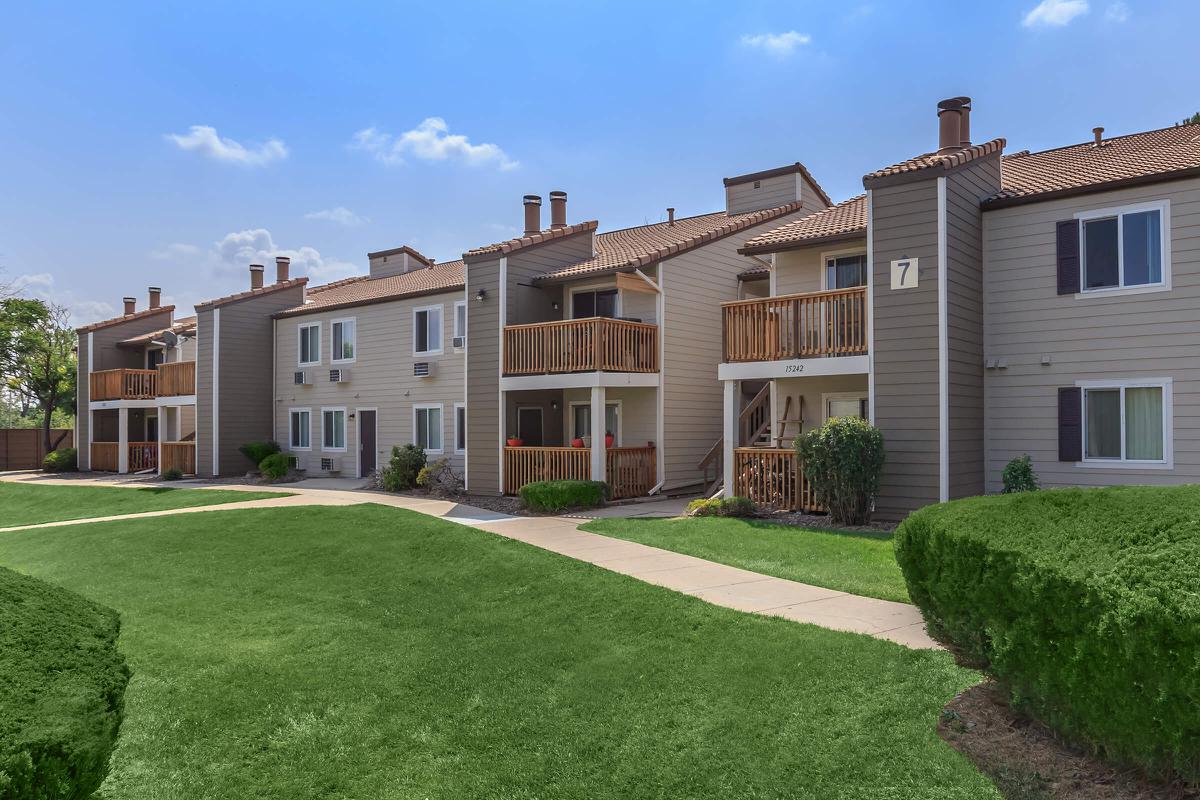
(754, 430)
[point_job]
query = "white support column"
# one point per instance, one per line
(731, 432)
(598, 431)
(776, 411)
(122, 440)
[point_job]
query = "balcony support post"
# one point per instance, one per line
(122, 440)
(598, 432)
(731, 434)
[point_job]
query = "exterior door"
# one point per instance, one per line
(366, 442)
(529, 425)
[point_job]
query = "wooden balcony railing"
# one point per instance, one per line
(796, 326)
(104, 456)
(122, 384)
(177, 379)
(772, 477)
(580, 345)
(631, 470)
(180, 456)
(142, 456)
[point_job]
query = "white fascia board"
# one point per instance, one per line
(793, 368)
(578, 380)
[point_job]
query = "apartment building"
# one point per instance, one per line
(977, 306)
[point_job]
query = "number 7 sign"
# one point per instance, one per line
(904, 273)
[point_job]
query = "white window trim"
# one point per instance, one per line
(353, 321)
(1168, 459)
(442, 415)
(853, 251)
(458, 406)
(300, 336)
(292, 411)
(345, 430)
(827, 396)
(592, 287)
(441, 309)
(1164, 230)
(454, 323)
(620, 419)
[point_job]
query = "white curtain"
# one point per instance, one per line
(1144, 423)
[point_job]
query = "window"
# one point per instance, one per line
(850, 404)
(1124, 248)
(333, 429)
(1126, 422)
(594, 303)
(310, 344)
(845, 272)
(460, 320)
(581, 420)
(427, 330)
(427, 428)
(343, 332)
(460, 428)
(300, 424)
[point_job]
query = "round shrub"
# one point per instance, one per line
(1081, 602)
(62, 684)
(402, 470)
(65, 460)
(842, 461)
(1018, 475)
(274, 466)
(172, 474)
(257, 451)
(554, 496)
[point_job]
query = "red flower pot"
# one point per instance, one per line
(577, 443)
(608, 440)
(514, 442)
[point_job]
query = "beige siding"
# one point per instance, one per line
(638, 415)
(770, 193)
(1154, 335)
(905, 346)
(811, 391)
(528, 303)
(483, 378)
(798, 271)
(381, 377)
(204, 391)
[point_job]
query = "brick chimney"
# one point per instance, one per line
(283, 265)
(950, 125)
(533, 214)
(670, 216)
(256, 276)
(558, 210)
(130, 304)
(155, 297)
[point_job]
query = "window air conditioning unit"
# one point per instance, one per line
(422, 369)
(460, 342)
(293, 462)
(339, 376)
(302, 378)
(330, 464)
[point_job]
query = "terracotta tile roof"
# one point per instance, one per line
(771, 173)
(548, 235)
(633, 248)
(1140, 157)
(364, 290)
(325, 287)
(268, 289)
(926, 161)
(847, 218)
(149, 312)
(182, 327)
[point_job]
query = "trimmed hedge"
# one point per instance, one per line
(1083, 603)
(275, 466)
(562, 495)
(65, 460)
(62, 684)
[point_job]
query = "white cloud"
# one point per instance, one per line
(430, 141)
(340, 215)
(1054, 13)
(1117, 12)
(203, 139)
(175, 251)
(256, 246)
(41, 286)
(776, 44)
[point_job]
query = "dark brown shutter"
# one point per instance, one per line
(1068, 256)
(1070, 424)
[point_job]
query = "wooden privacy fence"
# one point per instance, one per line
(141, 456)
(796, 326)
(104, 456)
(122, 384)
(631, 470)
(580, 345)
(23, 448)
(180, 456)
(177, 379)
(772, 477)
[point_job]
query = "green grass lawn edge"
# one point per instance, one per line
(33, 504)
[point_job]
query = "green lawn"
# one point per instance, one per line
(859, 563)
(29, 504)
(370, 652)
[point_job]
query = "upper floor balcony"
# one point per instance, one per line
(176, 379)
(595, 344)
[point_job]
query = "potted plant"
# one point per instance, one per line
(609, 439)
(577, 442)
(514, 441)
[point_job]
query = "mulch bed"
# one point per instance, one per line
(1028, 762)
(803, 520)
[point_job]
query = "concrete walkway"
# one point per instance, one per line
(715, 583)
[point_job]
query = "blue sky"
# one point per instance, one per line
(171, 144)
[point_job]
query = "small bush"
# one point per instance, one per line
(257, 451)
(1018, 476)
(554, 496)
(440, 478)
(274, 466)
(62, 685)
(65, 460)
(172, 474)
(402, 470)
(843, 460)
(1081, 602)
(722, 507)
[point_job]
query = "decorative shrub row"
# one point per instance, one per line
(562, 495)
(1083, 603)
(722, 507)
(61, 687)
